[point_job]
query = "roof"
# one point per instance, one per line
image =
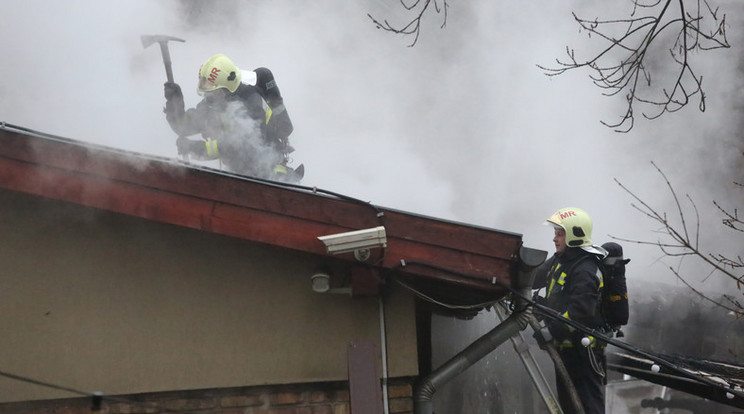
(452, 262)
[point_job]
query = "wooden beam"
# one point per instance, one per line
(365, 389)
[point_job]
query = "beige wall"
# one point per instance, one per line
(102, 302)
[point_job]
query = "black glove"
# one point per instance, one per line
(172, 91)
(542, 336)
(558, 330)
(539, 301)
(187, 146)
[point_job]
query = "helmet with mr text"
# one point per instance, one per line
(577, 224)
(218, 72)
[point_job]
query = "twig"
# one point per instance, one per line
(413, 27)
(685, 243)
(630, 75)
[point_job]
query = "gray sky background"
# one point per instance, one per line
(463, 126)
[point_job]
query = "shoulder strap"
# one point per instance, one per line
(577, 262)
(583, 259)
(551, 280)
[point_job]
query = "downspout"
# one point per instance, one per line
(423, 395)
(383, 345)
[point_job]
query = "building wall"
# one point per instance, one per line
(103, 302)
(316, 398)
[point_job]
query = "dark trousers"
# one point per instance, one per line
(588, 383)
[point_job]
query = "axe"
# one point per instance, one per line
(147, 40)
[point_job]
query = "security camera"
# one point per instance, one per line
(355, 240)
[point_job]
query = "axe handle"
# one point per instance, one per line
(166, 60)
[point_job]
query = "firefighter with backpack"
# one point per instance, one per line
(242, 121)
(574, 288)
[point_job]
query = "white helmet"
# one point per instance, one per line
(578, 227)
(577, 224)
(218, 72)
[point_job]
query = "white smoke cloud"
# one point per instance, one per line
(462, 126)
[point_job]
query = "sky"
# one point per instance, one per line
(463, 126)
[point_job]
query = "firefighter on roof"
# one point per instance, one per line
(243, 124)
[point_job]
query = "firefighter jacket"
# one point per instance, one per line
(278, 124)
(234, 126)
(573, 289)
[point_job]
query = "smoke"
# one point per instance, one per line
(463, 126)
(257, 156)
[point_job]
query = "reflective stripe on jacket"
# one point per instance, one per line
(574, 285)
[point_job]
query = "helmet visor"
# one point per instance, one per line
(205, 85)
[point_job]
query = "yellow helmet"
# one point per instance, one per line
(218, 72)
(577, 224)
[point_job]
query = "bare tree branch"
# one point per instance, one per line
(685, 242)
(628, 64)
(736, 307)
(732, 220)
(413, 27)
(632, 74)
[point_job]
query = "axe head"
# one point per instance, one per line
(147, 40)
